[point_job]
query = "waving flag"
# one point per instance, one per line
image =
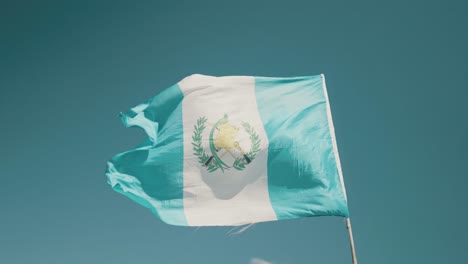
(234, 150)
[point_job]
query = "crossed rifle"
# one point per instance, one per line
(237, 146)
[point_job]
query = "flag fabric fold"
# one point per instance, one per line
(234, 150)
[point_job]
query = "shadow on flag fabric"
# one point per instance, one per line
(235, 150)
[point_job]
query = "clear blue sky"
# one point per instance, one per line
(397, 80)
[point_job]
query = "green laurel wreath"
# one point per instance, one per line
(197, 144)
(239, 163)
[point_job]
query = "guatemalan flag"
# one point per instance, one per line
(235, 150)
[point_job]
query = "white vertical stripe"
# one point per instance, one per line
(231, 197)
(332, 133)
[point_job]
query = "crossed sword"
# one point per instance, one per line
(237, 146)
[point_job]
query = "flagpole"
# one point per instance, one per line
(351, 240)
(338, 165)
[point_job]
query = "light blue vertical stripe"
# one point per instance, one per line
(152, 173)
(303, 179)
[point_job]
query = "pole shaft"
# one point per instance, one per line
(351, 240)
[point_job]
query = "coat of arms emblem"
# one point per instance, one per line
(223, 143)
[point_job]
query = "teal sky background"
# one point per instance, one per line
(397, 81)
